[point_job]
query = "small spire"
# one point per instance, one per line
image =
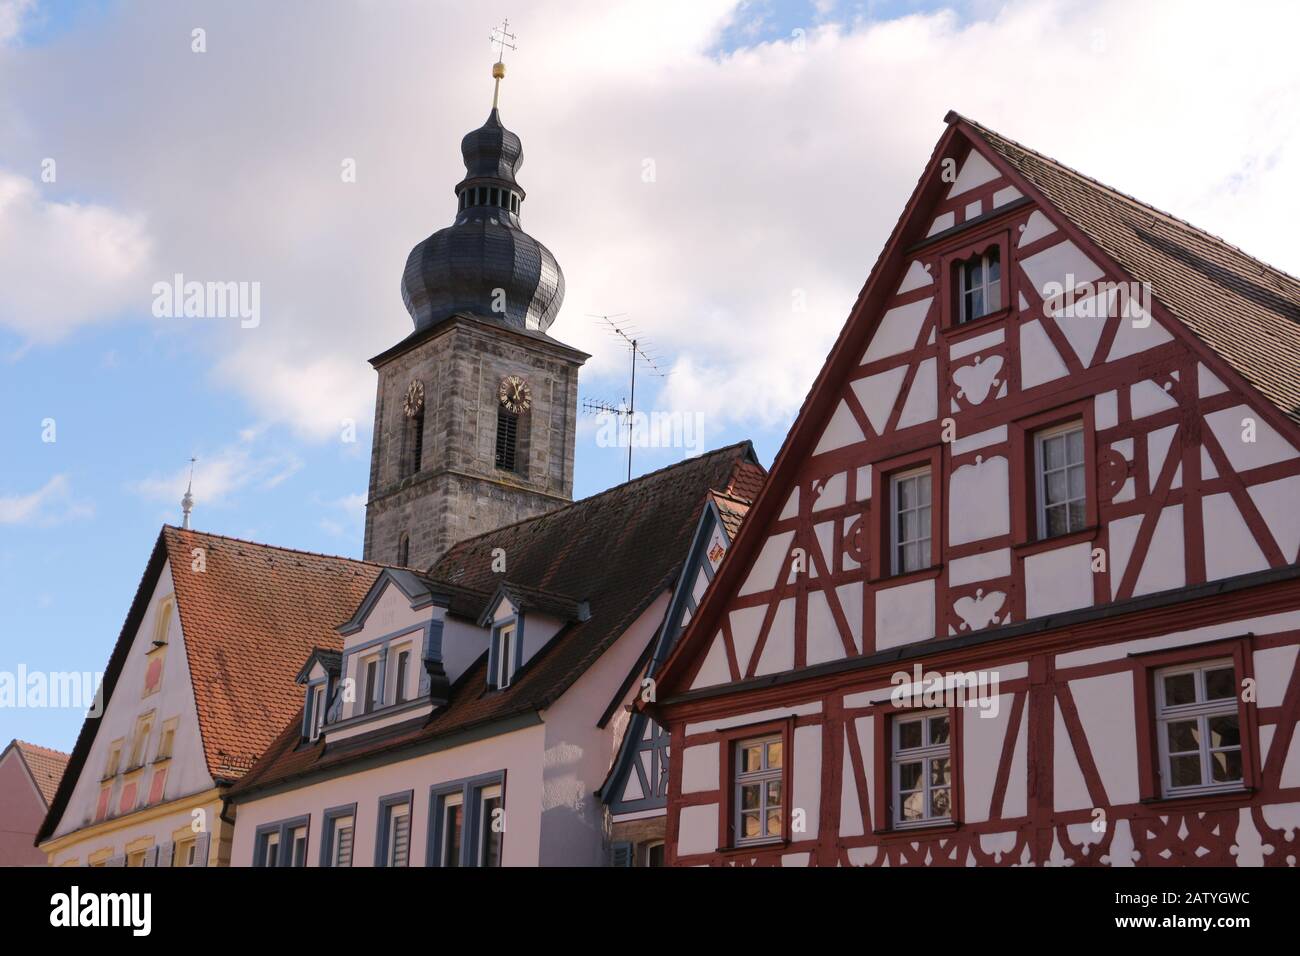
(503, 40)
(187, 502)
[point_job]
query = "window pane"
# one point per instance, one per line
(923, 489)
(1075, 511)
(938, 729)
(995, 295)
(750, 824)
(1180, 689)
(976, 303)
(774, 755)
(451, 835)
(1053, 452)
(940, 770)
(941, 802)
(1224, 731)
(906, 494)
(1058, 488)
(491, 836)
(1185, 771)
(909, 775)
(773, 822)
(1074, 441)
(1184, 736)
(1076, 481)
(751, 758)
(909, 734)
(774, 793)
(1219, 684)
(1058, 520)
(913, 806)
(750, 795)
(1225, 766)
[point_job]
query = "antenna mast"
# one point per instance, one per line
(629, 337)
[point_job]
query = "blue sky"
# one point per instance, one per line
(223, 167)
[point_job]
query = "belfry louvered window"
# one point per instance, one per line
(507, 439)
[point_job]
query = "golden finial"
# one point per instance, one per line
(503, 40)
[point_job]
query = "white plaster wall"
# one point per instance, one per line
(579, 754)
(700, 768)
(1058, 580)
(979, 501)
(904, 614)
(519, 754)
(187, 770)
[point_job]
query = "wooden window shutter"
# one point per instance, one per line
(620, 854)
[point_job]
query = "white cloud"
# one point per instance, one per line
(65, 264)
(780, 168)
(220, 475)
(12, 14)
(52, 503)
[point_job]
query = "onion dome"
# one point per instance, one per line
(484, 263)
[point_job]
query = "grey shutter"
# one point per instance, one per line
(165, 854)
(401, 839)
(201, 849)
(151, 856)
(620, 854)
(117, 861)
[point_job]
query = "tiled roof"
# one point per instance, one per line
(249, 620)
(46, 766)
(617, 551)
(1245, 310)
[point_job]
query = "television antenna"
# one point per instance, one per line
(636, 346)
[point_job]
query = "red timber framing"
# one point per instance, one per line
(1159, 421)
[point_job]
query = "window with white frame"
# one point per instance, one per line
(340, 830)
(370, 668)
(1062, 490)
(399, 678)
(759, 789)
(452, 832)
(980, 279)
(395, 843)
(297, 845)
(317, 711)
(910, 521)
(921, 769)
(1199, 728)
(490, 825)
(467, 822)
(505, 658)
(268, 854)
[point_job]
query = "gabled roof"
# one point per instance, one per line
(249, 620)
(331, 661)
(523, 598)
(618, 551)
(1242, 309)
(46, 766)
(1245, 310)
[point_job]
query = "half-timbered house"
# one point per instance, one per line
(1022, 585)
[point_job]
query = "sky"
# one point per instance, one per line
(722, 174)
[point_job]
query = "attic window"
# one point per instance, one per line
(504, 656)
(980, 286)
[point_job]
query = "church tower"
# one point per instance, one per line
(476, 410)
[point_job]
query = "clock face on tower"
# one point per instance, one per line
(514, 394)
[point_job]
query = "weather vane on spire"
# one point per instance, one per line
(503, 40)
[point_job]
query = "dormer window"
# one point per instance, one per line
(399, 692)
(315, 711)
(504, 656)
(370, 684)
(980, 285)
